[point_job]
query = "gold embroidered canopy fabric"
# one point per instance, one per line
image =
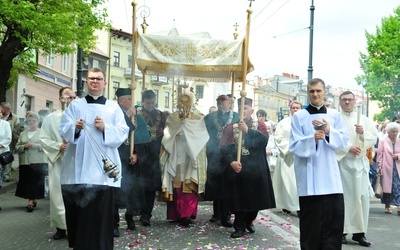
(211, 59)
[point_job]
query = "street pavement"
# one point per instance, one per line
(274, 230)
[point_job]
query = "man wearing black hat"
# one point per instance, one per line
(155, 122)
(216, 123)
(130, 195)
(247, 184)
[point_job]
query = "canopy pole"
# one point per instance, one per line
(133, 83)
(143, 80)
(173, 94)
(233, 90)
(243, 93)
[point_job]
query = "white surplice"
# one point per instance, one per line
(284, 180)
(271, 159)
(355, 173)
(316, 167)
(82, 162)
(51, 142)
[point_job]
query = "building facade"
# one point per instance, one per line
(34, 94)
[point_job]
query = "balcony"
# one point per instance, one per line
(159, 80)
(128, 74)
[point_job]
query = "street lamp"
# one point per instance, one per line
(310, 67)
(79, 82)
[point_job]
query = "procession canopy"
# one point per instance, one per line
(193, 58)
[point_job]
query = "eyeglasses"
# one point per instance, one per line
(347, 99)
(68, 97)
(92, 79)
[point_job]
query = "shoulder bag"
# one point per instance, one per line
(6, 158)
(378, 188)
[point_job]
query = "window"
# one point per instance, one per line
(129, 61)
(95, 63)
(116, 58)
(166, 99)
(49, 105)
(28, 103)
(115, 87)
(50, 59)
(156, 92)
(199, 92)
(65, 63)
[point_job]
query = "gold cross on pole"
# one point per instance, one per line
(250, 3)
(235, 34)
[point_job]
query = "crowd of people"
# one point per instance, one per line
(96, 153)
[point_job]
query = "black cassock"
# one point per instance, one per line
(130, 195)
(251, 189)
(215, 171)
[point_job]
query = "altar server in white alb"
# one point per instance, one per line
(54, 146)
(284, 180)
(94, 128)
(316, 133)
(354, 169)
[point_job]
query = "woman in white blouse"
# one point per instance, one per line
(32, 163)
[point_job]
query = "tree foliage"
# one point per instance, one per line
(381, 66)
(45, 26)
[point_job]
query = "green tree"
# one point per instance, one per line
(381, 66)
(44, 26)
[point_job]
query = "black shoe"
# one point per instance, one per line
(130, 222)
(136, 213)
(116, 231)
(362, 241)
(29, 208)
(226, 223)
(285, 211)
(214, 219)
(251, 228)
(237, 234)
(34, 204)
(185, 222)
(60, 234)
(344, 241)
(145, 222)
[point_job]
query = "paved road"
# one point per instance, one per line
(274, 230)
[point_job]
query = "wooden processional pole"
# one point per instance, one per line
(243, 92)
(133, 83)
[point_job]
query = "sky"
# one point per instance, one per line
(279, 35)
